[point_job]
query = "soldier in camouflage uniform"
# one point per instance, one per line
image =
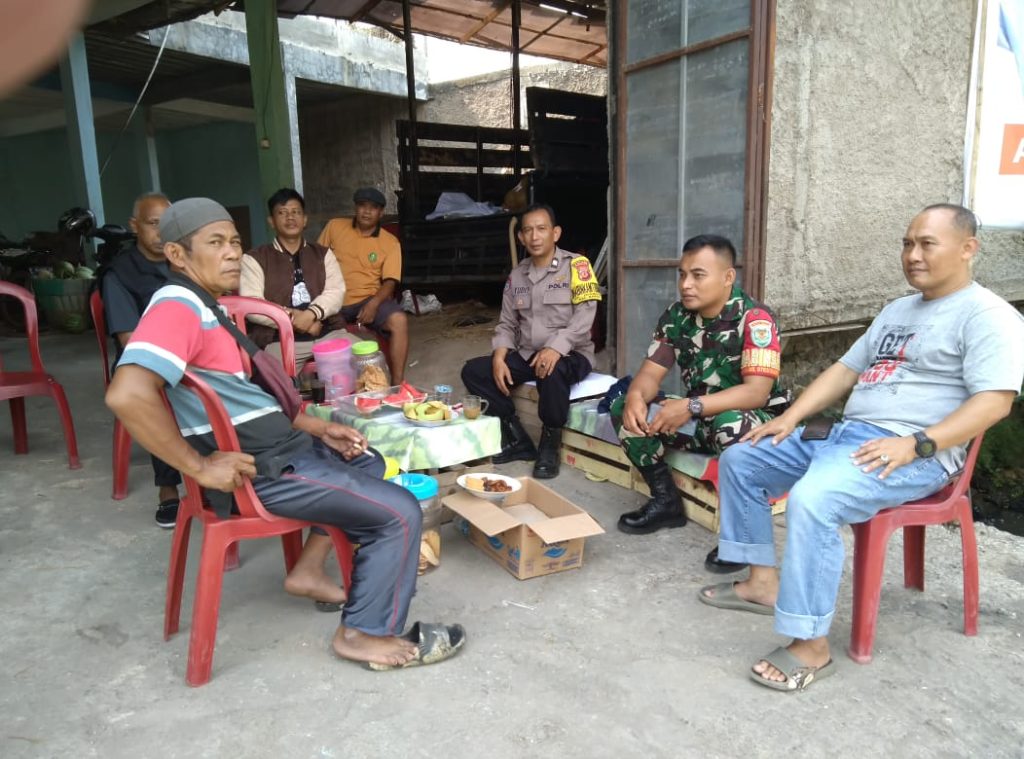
(726, 346)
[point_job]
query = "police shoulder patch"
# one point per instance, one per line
(583, 283)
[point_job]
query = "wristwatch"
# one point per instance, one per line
(696, 407)
(925, 447)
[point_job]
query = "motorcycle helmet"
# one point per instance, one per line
(78, 221)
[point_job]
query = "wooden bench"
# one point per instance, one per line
(695, 474)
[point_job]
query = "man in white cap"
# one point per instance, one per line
(303, 468)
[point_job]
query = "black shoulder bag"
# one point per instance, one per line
(267, 371)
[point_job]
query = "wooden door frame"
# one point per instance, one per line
(761, 34)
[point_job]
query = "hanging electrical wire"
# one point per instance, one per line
(138, 101)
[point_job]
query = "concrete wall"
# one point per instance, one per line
(868, 117)
(484, 100)
(216, 160)
(348, 144)
(353, 142)
(39, 186)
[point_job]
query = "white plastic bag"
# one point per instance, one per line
(420, 304)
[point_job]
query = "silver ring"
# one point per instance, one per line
(884, 459)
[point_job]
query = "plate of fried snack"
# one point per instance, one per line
(493, 487)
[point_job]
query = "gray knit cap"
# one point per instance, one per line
(189, 215)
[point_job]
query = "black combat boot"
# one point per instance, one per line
(549, 453)
(665, 509)
(515, 442)
(719, 566)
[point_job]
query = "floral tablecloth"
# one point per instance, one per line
(415, 447)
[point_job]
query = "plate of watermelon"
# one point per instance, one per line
(399, 395)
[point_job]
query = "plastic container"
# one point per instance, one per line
(334, 367)
(424, 487)
(369, 367)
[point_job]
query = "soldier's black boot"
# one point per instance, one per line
(515, 442)
(719, 566)
(548, 453)
(664, 509)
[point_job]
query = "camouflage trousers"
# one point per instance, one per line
(712, 435)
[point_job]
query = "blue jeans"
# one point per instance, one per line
(826, 491)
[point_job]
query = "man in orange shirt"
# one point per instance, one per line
(371, 263)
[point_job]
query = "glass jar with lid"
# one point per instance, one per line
(369, 367)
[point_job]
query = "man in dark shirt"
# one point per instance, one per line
(127, 285)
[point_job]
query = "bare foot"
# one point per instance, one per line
(813, 653)
(758, 592)
(352, 644)
(313, 583)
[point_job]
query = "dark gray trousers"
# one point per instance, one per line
(383, 518)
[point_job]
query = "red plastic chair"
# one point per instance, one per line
(122, 440)
(16, 386)
(219, 535)
(951, 503)
(240, 306)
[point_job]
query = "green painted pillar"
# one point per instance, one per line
(273, 136)
(85, 167)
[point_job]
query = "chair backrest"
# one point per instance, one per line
(99, 323)
(239, 307)
(963, 478)
(226, 438)
(28, 304)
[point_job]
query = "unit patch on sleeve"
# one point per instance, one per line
(583, 283)
(762, 354)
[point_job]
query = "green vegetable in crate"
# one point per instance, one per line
(74, 323)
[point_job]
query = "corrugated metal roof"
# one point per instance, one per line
(568, 30)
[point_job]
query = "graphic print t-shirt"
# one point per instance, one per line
(921, 359)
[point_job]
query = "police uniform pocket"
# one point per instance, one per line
(557, 307)
(522, 301)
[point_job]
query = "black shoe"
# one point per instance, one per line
(167, 513)
(664, 509)
(548, 454)
(717, 566)
(516, 444)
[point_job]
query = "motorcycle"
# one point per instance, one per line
(60, 255)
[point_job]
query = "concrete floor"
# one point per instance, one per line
(615, 659)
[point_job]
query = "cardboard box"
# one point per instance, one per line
(534, 532)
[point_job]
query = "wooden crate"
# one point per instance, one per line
(603, 459)
(699, 497)
(524, 397)
(596, 457)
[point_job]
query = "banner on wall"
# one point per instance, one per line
(994, 181)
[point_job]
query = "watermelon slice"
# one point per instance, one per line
(412, 392)
(367, 405)
(406, 394)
